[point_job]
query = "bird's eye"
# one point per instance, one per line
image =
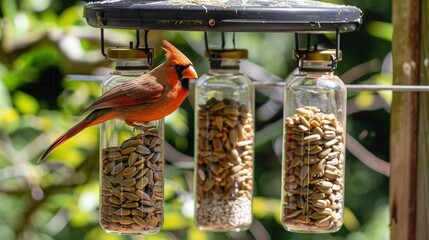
(179, 70)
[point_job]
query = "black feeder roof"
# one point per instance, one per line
(302, 16)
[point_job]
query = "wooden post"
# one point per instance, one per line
(422, 218)
(409, 123)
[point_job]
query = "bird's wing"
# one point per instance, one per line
(134, 92)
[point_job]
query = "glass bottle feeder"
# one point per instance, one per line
(224, 144)
(314, 144)
(132, 159)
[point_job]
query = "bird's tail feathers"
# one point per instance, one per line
(94, 118)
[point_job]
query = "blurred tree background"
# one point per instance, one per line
(43, 41)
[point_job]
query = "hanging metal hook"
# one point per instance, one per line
(102, 42)
(335, 58)
(297, 41)
(146, 47)
(298, 55)
(223, 40)
(148, 52)
(308, 41)
(137, 38)
(233, 40)
(337, 49)
(206, 44)
(211, 55)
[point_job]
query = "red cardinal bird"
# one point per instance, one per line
(146, 98)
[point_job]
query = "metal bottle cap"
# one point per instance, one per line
(129, 53)
(316, 60)
(316, 55)
(227, 54)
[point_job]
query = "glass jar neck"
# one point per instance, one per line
(315, 67)
(314, 73)
(130, 67)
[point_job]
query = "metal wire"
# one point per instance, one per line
(271, 85)
(395, 88)
(357, 87)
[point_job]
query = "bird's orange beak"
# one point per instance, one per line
(189, 72)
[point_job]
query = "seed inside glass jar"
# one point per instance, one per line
(313, 170)
(224, 174)
(132, 185)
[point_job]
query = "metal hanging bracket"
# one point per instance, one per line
(146, 45)
(212, 54)
(315, 54)
(147, 50)
(216, 56)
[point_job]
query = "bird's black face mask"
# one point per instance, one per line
(184, 82)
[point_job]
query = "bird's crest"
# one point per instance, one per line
(174, 55)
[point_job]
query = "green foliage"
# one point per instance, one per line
(25, 104)
(59, 199)
(381, 29)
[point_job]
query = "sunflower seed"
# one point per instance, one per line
(126, 174)
(225, 162)
(313, 170)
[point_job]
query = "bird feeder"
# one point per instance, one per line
(314, 143)
(298, 16)
(132, 158)
(224, 149)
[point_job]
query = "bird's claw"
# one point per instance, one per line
(146, 130)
